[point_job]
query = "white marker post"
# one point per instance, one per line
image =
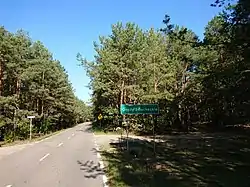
(30, 117)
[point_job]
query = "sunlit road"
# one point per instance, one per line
(67, 159)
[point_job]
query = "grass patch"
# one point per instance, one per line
(34, 139)
(106, 133)
(100, 131)
(214, 161)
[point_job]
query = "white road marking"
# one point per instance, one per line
(69, 137)
(8, 185)
(98, 155)
(101, 164)
(73, 134)
(60, 144)
(41, 159)
(105, 180)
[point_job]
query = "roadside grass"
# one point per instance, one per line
(204, 161)
(34, 139)
(106, 133)
(100, 131)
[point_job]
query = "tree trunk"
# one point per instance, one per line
(42, 103)
(122, 91)
(1, 78)
(124, 96)
(18, 87)
(183, 108)
(184, 78)
(155, 87)
(121, 97)
(188, 118)
(37, 106)
(10, 89)
(180, 123)
(42, 107)
(155, 83)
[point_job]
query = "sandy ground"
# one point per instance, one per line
(104, 139)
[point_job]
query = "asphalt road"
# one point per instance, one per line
(68, 159)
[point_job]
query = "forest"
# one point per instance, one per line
(32, 83)
(197, 83)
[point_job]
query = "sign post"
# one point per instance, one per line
(100, 119)
(149, 109)
(153, 123)
(31, 117)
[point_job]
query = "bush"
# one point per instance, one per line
(22, 131)
(9, 136)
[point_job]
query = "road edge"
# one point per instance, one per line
(101, 163)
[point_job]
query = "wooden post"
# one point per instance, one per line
(154, 134)
(30, 129)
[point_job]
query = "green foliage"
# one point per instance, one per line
(33, 83)
(194, 82)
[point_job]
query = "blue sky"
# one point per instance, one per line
(67, 27)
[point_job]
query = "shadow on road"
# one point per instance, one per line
(91, 169)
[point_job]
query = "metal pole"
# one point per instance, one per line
(15, 125)
(127, 123)
(30, 128)
(154, 134)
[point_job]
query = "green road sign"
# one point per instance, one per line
(139, 109)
